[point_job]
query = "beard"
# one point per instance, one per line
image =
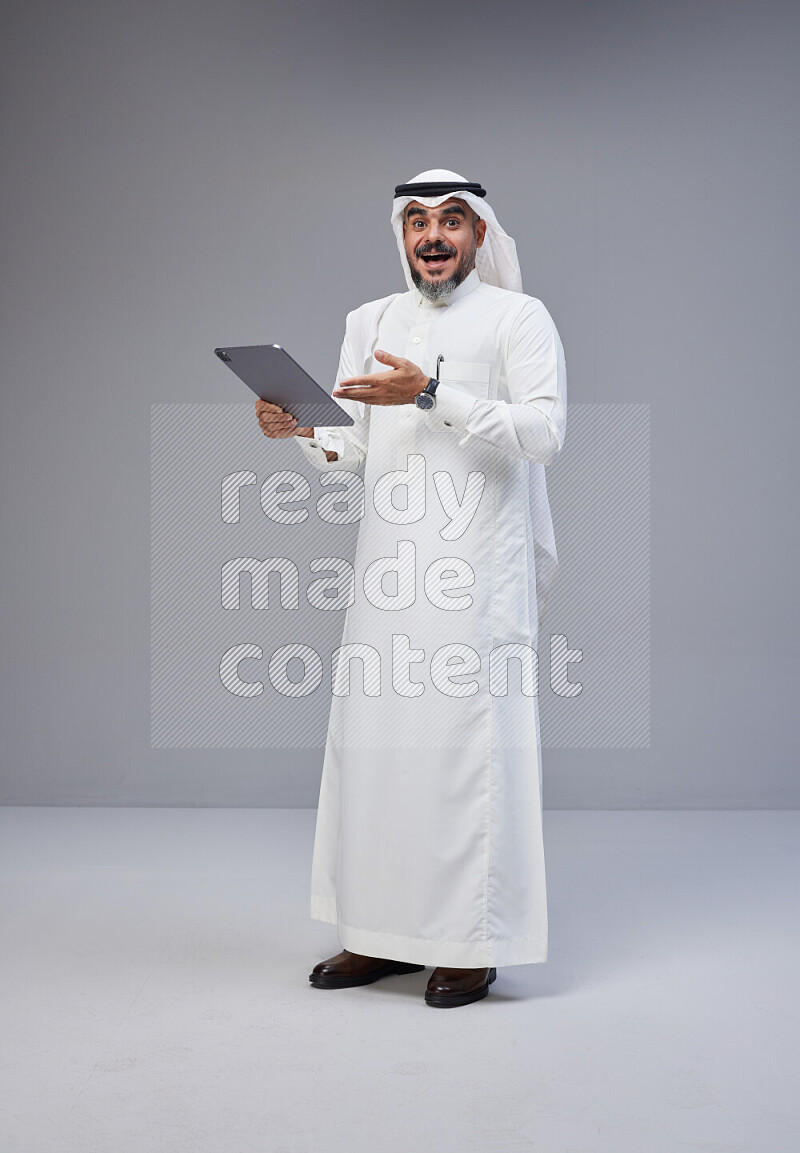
(438, 289)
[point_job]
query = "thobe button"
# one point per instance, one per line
(416, 340)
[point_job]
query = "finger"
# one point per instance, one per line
(369, 395)
(276, 418)
(267, 406)
(272, 425)
(355, 391)
(283, 421)
(377, 378)
(387, 358)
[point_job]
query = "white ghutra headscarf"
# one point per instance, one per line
(496, 259)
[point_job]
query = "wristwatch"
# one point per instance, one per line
(427, 398)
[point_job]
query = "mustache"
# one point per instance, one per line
(435, 248)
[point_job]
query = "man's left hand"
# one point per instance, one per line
(398, 386)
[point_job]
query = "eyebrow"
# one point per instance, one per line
(453, 210)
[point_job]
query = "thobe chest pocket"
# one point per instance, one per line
(469, 376)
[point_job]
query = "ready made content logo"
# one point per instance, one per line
(254, 566)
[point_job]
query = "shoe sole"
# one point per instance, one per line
(451, 1000)
(332, 981)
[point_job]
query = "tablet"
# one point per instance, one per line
(272, 375)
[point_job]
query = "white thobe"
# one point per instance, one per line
(428, 844)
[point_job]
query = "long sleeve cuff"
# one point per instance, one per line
(313, 449)
(451, 411)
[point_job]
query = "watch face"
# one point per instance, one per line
(424, 400)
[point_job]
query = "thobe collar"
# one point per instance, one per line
(467, 285)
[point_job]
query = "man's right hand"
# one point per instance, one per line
(276, 423)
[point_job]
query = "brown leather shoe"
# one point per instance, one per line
(348, 969)
(450, 987)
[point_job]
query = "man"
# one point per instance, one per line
(428, 847)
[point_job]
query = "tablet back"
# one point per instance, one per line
(272, 375)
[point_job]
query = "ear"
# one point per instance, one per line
(480, 232)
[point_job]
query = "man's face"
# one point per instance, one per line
(441, 244)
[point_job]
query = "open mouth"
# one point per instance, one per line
(436, 259)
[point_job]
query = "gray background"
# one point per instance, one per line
(180, 175)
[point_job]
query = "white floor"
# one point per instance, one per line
(155, 996)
